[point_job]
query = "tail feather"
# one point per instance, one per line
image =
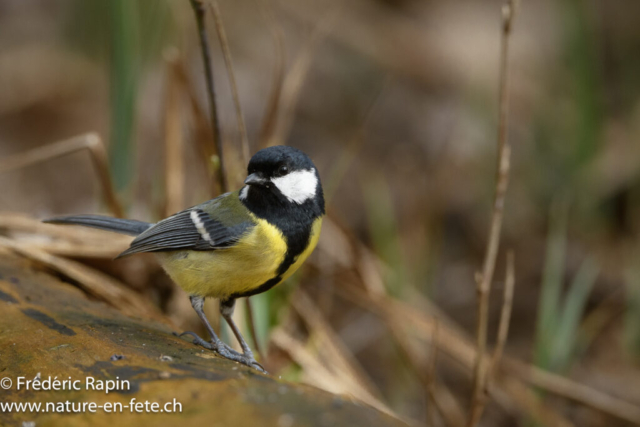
(117, 225)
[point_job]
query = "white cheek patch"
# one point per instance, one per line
(298, 186)
(244, 192)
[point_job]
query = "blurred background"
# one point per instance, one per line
(396, 101)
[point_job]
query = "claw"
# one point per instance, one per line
(244, 359)
(258, 367)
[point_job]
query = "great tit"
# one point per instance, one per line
(238, 244)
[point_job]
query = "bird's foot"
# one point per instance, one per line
(245, 359)
(197, 340)
(227, 352)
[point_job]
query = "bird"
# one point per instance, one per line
(236, 245)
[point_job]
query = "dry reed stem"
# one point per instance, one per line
(505, 314)
(272, 108)
(91, 142)
(174, 141)
(502, 180)
(224, 43)
(242, 130)
(503, 331)
(199, 12)
(206, 57)
(202, 128)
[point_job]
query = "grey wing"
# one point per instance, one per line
(190, 229)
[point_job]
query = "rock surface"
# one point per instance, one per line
(49, 328)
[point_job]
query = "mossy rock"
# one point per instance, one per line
(51, 328)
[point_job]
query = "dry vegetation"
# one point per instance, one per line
(424, 299)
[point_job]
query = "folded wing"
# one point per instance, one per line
(192, 229)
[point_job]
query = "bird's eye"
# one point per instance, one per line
(283, 170)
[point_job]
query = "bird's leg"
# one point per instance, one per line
(226, 309)
(198, 306)
(216, 344)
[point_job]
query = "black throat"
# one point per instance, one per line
(294, 220)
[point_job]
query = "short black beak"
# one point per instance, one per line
(255, 179)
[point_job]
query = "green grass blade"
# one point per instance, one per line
(567, 331)
(551, 288)
(124, 77)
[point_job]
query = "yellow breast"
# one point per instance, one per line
(238, 269)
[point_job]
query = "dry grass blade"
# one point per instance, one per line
(173, 138)
(17, 222)
(198, 10)
(439, 396)
(224, 43)
(271, 112)
(295, 78)
(446, 404)
(502, 180)
(572, 390)
(529, 404)
(319, 375)
(94, 282)
(442, 398)
(335, 176)
(341, 357)
(429, 381)
(90, 142)
(68, 241)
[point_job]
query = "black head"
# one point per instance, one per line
(282, 176)
(273, 162)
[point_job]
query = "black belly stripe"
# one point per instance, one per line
(295, 222)
(301, 241)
